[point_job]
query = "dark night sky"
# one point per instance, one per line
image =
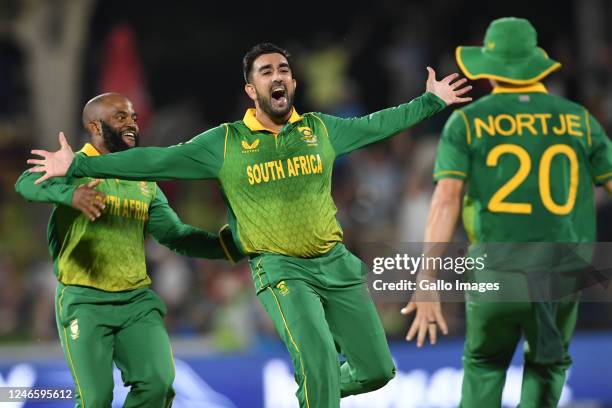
(194, 48)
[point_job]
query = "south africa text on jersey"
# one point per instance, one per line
(136, 209)
(280, 169)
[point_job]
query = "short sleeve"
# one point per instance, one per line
(600, 158)
(453, 158)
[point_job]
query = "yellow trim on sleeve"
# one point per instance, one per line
(468, 134)
(225, 145)
(537, 87)
(323, 123)
(603, 176)
(224, 247)
(456, 172)
(294, 345)
(250, 120)
(588, 126)
(536, 78)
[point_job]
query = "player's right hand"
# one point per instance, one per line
(428, 318)
(53, 164)
(446, 89)
(88, 200)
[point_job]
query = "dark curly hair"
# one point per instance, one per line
(256, 51)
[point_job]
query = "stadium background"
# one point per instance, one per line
(181, 65)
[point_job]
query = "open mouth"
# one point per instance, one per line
(279, 94)
(129, 136)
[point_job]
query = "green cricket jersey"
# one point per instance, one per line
(277, 186)
(108, 253)
(531, 160)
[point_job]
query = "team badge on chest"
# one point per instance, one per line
(307, 136)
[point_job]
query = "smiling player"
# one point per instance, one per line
(274, 167)
(105, 311)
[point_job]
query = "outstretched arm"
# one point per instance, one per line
(55, 191)
(347, 135)
(167, 229)
(200, 158)
(441, 223)
(84, 198)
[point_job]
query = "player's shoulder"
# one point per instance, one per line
(565, 103)
(498, 101)
(311, 115)
(314, 118)
(236, 128)
(233, 125)
(478, 105)
(317, 122)
(80, 153)
(212, 135)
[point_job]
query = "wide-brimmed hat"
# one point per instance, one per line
(510, 53)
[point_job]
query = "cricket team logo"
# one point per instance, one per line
(74, 329)
(282, 288)
(144, 188)
(308, 136)
(250, 148)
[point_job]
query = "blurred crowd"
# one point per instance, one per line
(382, 192)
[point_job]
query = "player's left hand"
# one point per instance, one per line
(447, 90)
(427, 319)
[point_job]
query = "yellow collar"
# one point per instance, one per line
(89, 150)
(250, 120)
(535, 87)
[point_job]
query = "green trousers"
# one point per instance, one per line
(98, 328)
(321, 307)
(493, 331)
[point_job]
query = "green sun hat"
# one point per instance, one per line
(510, 54)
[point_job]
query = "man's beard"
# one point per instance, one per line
(276, 115)
(114, 141)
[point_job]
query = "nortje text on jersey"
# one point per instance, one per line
(528, 124)
(280, 169)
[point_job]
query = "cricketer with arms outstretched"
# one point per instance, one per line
(274, 167)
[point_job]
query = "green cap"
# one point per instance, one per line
(510, 53)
